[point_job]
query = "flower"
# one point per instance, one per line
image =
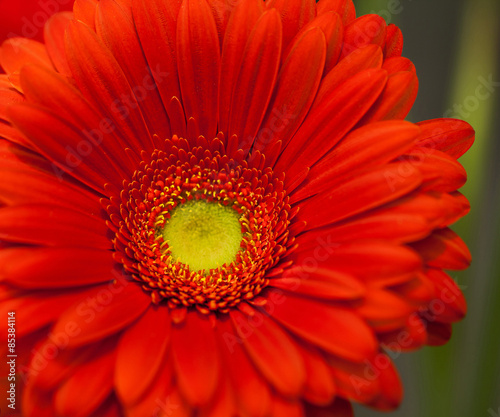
(216, 209)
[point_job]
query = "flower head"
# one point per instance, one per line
(215, 208)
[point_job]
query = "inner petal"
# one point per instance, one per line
(203, 235)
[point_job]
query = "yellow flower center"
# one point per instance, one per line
(203, 235)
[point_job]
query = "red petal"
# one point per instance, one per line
(281, 407)
(384, 310)
(195, 358)
(71, 151)
(440, 171)
(294, 16)
(242, 21)
(17, 52)
(259, 69)
(320, 386)
(439, 333)
(336, 329)
(295, 89)
(331, 25)
(444, 249)
(393, 42)
(383, 263)
(116, 29)
(53, 226)
(251, 391)
(199, 64)
(326, 125)
(87, 388)
(391, 391)
(112, 308)
(273, 352)
(101, 80)
(155, 22)
(324, 284)
(396, 100)
(356, 381)
(449, 304)
(36, 312)
(365, 30)
(398, 64)
(54, 92)
(363, 193)
(452, 136)
(369, 57)
(345, 9)
(39, 268)
(162, 398)
(54, 40)
(44, 188)
(362, 149)
(84, 10)
(140, 354)
(411, 336)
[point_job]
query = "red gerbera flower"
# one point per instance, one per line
(216, 209)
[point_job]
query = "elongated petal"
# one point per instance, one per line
(17, 52)
(116, 29)
(294, 16)
(53, 226)
(313, 321)
(147, 339)
(259, 69)
(104, 313)
(386, 141)
(242, 21)
(447, 135)
(87, 388)
(155, 22)
(195, 358)
(55, 267)
(102, 81)
(327, 125)
(272, 351)
(54, 40)
(295, 89)
(198, 64)
(251, 390)
(365, 192)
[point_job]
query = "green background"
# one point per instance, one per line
(452, 44)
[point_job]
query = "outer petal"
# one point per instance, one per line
(272, 351)
(148, 339)
(328, 124)
(195, 358)
(313, 321)
(87, 388)
(42, 268)
(105, 313)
